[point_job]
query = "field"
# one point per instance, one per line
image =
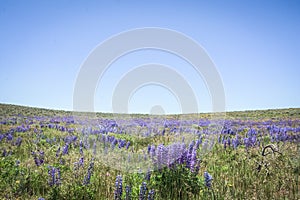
(49, 154)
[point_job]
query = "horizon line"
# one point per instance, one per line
(209, 112)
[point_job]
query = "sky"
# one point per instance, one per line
(255, 46)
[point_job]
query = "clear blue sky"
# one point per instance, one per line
(255, 46)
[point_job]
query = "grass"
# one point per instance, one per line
(238, 173)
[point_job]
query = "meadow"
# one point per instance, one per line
(51, 154)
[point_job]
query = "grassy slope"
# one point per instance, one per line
(290, 113)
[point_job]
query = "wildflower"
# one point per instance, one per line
(81, 161)
(197, 144)
(58, 180)
(80, 150)
(113, 143)
(121, 143)
(247, 142)
(66, 149)
(160, 155)
(55, 176)
(152, 151)
(127, 145)
(197, 167)
(38, 159)
(148, 175)
(163, 132)
(9, 137)
(118, 190)
(128, 192)
(229, 142)
(18, 141)
(87, 178)
(235, 142)
(51, 173)
(151, 195)
(191, 146)
(143, 190)
(57, 152)
(193, 161)
(4, 153)
(207, 179)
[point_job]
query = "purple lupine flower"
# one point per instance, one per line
(188, 159)
(193, 161)
(253, 140)
(247, 142)
(148, 148)
(103, 138)
(87, 178)
(62, 161)
(57, 152)
(219, 138)
(54, 176)
(51, 173)
(114, 142)
(235, 142)
(148, 175)
(163, 132)
(197, 145)
(80, 150)
(207, 179)
(128, 193)
(81, 161)
(58, 180)
(41, 198)
(197, 167)
(151, 195)
(65, 149)
(122, 143)
(183, 155)
(228, 142)
(18, 141)
(38, 159)
(41, 156)
(225, 144)
(119, 188)
(4, 153)
(41, 153)
(17, 162)
(177, 153)
(191, 146)
(160, 156)
(143, 191)
(171, 155)
(152, 151)
(223, 139)
(127, 145)
(9, 137)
